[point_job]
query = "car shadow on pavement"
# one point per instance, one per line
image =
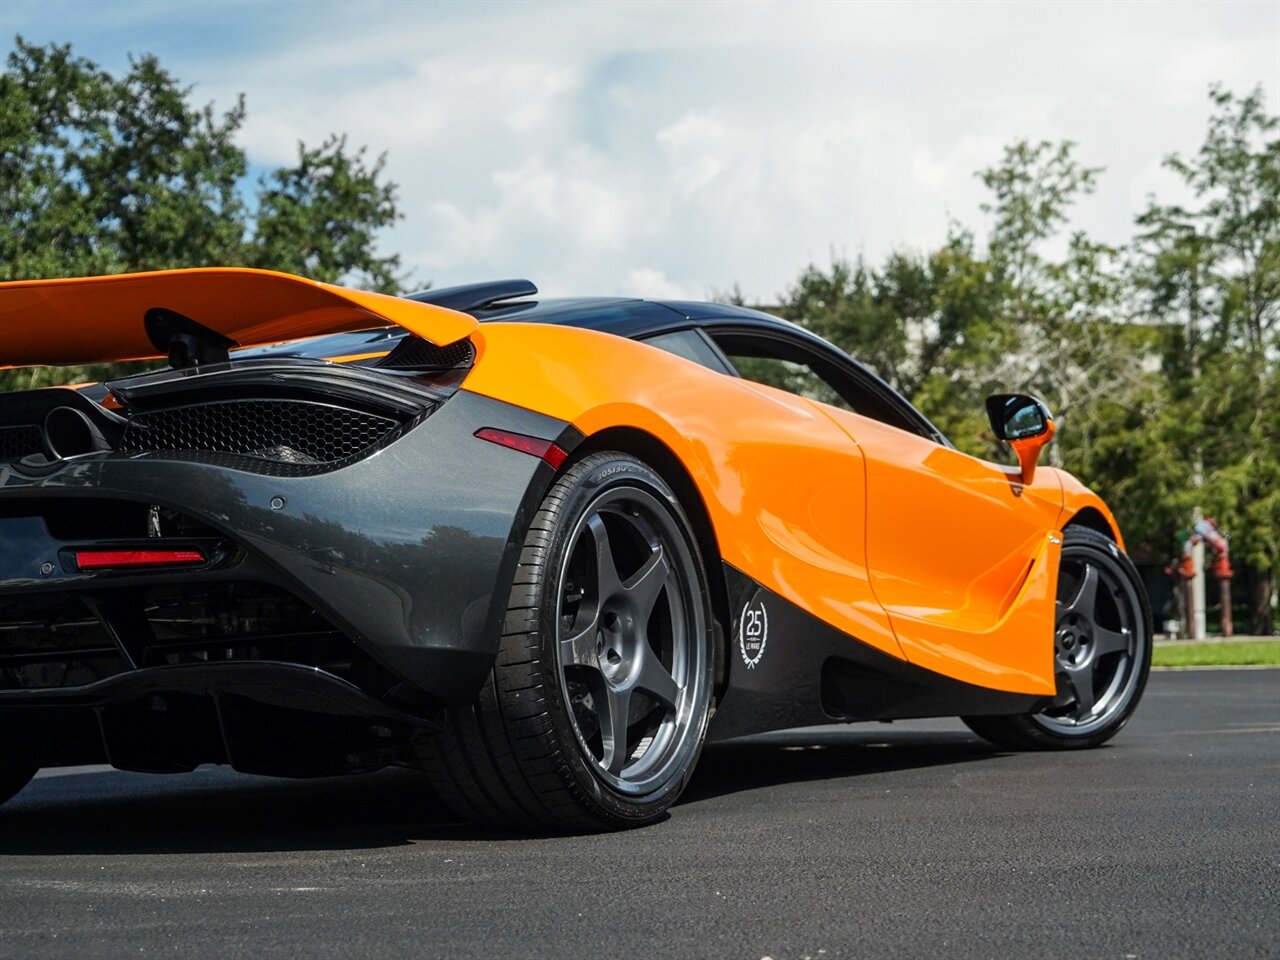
(104, 811)
(826, 753)
(213, 810)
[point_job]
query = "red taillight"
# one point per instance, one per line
(103, 559)
(543, 449)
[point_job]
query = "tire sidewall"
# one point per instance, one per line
(1100, 548)
(580, 486)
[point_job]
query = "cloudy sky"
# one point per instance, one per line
(663, 149)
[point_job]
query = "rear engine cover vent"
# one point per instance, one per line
(298, 432)
(416, 354)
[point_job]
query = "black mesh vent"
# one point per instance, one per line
(287, 432)
(18, 442)
(416, 354)
(57, 640)
(53, 640)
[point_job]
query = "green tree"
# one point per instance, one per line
(923, 322)
(1158, 358)
(950, 326)
(1210, 271)
(1032, 188)
(1071, 348)
(319, 218)
(104, 174)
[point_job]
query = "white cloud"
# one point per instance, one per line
(653, 284)
(679, 148)
(694, 146)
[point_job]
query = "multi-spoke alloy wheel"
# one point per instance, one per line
(629, 661)
(596, 709)
(1102, 648)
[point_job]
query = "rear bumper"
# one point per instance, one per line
(406, 553)
(268, 718)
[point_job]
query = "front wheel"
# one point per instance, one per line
(594, 714)
(1102, 648)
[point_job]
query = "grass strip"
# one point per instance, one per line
(1223, 654)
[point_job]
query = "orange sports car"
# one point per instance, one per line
(541, 549)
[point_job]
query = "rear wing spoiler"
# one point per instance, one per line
(138, 316)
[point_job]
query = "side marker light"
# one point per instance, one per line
(544, 450)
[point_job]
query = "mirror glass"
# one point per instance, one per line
(1017, 416)
(1023, 422)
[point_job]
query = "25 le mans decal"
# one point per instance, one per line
(753, 632)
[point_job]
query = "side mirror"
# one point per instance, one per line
(1023, 422)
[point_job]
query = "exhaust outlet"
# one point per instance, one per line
(69, 433)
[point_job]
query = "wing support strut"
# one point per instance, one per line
(185, 342)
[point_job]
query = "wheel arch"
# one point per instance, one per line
(652, 451)
(1081, 507)
(1093, 519)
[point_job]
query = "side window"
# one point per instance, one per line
(789, 375)
(776, 363)
(688, 344)
(779, 362)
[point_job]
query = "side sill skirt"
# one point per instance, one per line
(802, 671)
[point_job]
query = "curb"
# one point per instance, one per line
(1215, 640)
(1220, 666)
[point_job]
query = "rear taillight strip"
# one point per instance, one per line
(114, 559)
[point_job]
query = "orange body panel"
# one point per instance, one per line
(1028, 451)
(783, 487)
(964, 557)
(97, 319)
(929, 554)
(356, 357)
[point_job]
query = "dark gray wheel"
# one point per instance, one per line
(595, 712)
(13, 779)
(631, 640)
(1102, 648)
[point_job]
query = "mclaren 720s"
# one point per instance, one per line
(541, 549)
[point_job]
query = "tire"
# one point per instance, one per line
(595, 711)
(1102, 647)
(13, 779)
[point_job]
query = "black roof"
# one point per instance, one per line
(637, 319)
(514, 300)
(622, 316)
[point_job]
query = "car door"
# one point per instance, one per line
(961, 554)
(801, 513)
(963, 557)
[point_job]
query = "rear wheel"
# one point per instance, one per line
(13, 779)
(1102, 649)
(595, 711)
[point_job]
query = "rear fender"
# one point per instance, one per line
(782, 485)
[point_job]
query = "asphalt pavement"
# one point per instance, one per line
(904, 840)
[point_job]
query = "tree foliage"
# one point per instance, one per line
(1210, 270)
(1161, 359)
(319, 218)
(105, 174)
